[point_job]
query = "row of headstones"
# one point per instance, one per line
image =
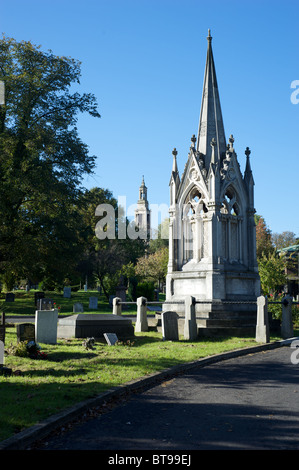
(169, 320)
(49, 304)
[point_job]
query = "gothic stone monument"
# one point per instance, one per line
(212, 246)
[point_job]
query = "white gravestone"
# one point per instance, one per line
(46, 323)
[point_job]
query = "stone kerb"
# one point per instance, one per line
(141, 320)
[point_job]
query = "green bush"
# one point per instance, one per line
(145, 289)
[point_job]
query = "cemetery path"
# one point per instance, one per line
(244, 403)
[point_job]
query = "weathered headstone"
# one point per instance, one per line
(38, 296)
(67, 292)
(46, 323)
(111, 338)
(78, 307)
(9, 297)
(190, 327)
(45, 304)
(287, 330)
(25, 332)
(85, 287)
(141, 319)
(93, 303)
(170, 330)
(116, 306)
(262, 334)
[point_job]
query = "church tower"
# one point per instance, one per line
(142, 212)
(212, 249)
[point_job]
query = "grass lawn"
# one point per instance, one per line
(39, 388)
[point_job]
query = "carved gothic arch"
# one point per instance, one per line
(231, 201)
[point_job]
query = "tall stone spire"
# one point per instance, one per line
(211, 122)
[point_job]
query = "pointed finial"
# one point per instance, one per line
(231, 142)
(193, 140)
(247, 152)
(174, 152)
(209, 38)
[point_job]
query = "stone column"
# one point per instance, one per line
(116, 306)
(141, 320)
(262, 334)
(286, 319)
(190, 328)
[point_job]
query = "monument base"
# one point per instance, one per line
(95, 325)
(225, 299)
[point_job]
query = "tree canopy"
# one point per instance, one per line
(42, 161)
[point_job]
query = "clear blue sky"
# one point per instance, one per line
(144, 61)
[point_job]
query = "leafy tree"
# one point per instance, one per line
(284, 239)
(42, 162)
(272, 273)
(264, 243)
(106, 258)
(154, 266)
(161, 237)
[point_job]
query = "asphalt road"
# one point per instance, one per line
(246, 403)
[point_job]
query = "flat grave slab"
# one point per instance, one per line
(84, 325)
